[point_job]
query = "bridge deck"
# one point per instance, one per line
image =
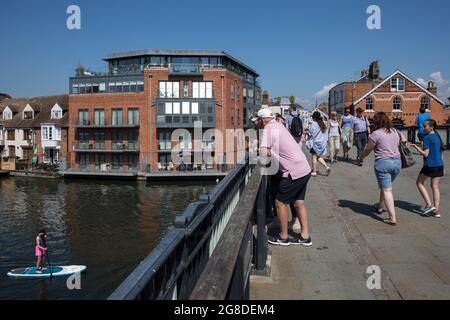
(414, 256)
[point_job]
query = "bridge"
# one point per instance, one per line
(218, 248)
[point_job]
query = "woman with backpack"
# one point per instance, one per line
(433, 167)
(384, 142)
(317, 139)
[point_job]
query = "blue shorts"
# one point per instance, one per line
(386, 171)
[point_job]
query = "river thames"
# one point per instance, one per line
(109, 226)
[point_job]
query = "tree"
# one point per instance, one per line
(292, 99)
(80, 70)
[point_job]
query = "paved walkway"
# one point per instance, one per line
(414, 256)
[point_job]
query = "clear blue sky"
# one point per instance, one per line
(298, 47)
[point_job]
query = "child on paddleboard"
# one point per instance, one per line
(40, 250)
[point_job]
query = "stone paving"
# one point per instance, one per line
(414, 256)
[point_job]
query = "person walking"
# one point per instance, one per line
(294, 123)
(384, 142)
(346, 123)
(433, 167)
(317, 139)
(334, 137)
(361, 131)
(420, 119)
(295, 173)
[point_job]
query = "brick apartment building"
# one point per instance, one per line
(122, 121)
(398, 95)
(34, 124)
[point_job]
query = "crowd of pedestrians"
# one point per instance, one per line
(283, 139)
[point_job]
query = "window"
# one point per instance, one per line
(140, 86)
(176, 108)
(397, 84)
(28, 115)
(185, 108)
(75, 89)
(99, 140)
(168, 89)
(99, 117)
(425, 103)
(194, 108)
(369, 104)
(47, 133)
(83, 117)
(342, 96)
(202, 90)
(397, 104)
(169, 108)
(56, 113)
(27, 134)
(58, 134)
(133, 116)
(186, 89)
(116, 117)
(7, 114)
(116, 140)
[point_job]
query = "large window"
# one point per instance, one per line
(425, 103)
(369, 104)
(202, 89)
(99, 117)
(116, 117)
(116, 140)
(83, 117)
(133, 116)
(168, 89)
(397, 104)
(27, 134)
(99, 140)
(397, 84)
(47, 133)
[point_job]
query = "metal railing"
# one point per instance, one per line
(172, 269)
(185, 69)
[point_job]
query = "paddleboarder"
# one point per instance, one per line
(40, 250)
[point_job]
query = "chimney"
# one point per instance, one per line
(364, 73)
(265, 98)
(374, 70)
(431, 87)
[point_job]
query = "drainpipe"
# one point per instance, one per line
(151, 129)
(223, 126)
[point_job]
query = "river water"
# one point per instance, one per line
(109, 226)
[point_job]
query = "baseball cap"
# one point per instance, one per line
(263, 113)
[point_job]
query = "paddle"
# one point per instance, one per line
(48, 260)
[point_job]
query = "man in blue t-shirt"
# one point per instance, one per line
(420, 119)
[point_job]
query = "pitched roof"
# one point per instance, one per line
(388, 78)
(42, 107)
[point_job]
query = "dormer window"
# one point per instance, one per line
(57, 112)
(28, 113)
(397, 84)
(7, 114)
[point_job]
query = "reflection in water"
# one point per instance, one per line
(110, 226)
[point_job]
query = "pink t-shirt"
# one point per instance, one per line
(286, 150)
(386, 144)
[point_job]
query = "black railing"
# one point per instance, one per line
(172, 269)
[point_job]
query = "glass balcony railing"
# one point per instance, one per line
(185, 69)
(83, 146)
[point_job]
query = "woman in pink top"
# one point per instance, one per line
(385, 142)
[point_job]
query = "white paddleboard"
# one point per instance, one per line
(57, 271)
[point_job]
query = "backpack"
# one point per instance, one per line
(296, 127)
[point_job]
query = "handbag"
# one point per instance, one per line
(405, 154)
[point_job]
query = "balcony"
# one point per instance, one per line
(86, 124)
(185, 69)
(100, 147)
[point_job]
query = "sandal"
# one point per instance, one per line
(328, 171)
(389, 222)
(378, 210)
(313, 174)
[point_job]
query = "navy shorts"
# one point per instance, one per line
(432, 172)
(292, 190)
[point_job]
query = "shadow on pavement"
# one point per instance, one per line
(408, 206)
(361, 208)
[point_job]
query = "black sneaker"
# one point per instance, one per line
(300, 241)
(276, 240)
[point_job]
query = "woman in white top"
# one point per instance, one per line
(317, 142)
(334, 137)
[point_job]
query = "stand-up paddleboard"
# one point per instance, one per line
(57, 271)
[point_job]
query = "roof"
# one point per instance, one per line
(388, 78)
(178, 53)
(42, 107)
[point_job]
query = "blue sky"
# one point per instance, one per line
(298, 47)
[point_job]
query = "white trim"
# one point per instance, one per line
(388, 78)
(8, 111)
